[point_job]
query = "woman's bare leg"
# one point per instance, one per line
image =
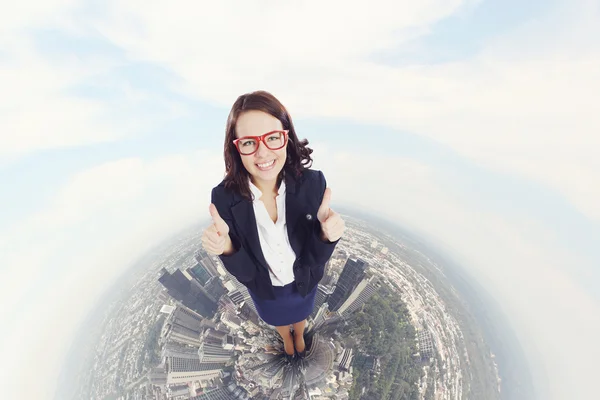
(286, 335)
(299, 335)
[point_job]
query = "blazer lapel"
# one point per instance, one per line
(245, 220)
(293, 212)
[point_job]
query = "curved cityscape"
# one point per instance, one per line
(386, 325)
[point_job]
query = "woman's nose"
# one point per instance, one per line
(262, 148)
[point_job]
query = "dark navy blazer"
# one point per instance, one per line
(303, 198)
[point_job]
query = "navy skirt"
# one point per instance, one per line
(288, 307)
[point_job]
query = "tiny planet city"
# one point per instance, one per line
(389, 322)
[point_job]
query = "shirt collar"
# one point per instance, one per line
(257, 192)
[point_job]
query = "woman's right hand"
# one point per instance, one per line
(215, 238)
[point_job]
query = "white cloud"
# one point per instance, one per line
(35, 111)
(38, 109)
(25, 14)
(524, 105)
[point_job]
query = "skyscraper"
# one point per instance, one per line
(215, 288)
(210, 353)
(321, 297)
(206, 262)
(210, 266)
(189, 292)
(182, 370)
(200, 273)
(183, 326)
(359, 296)
(351, 275)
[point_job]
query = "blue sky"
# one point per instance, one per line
(475, 118)
(40, 175)
(464, 34)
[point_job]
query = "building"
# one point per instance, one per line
(181, 370)
(188, 292)
(232, 321)
(359, 296)
(216, 394)
(177, 349)
(200, 273)
(352, 274)
(215, 289)
(344, 360)
(207, 262)
(183, 326)
(323, 293)
(214, 353)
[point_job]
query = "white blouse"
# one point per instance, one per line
(273, 237)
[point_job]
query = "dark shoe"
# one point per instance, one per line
(289, 357)
(301, 354)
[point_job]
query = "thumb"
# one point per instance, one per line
(324, 210)
(220, 224)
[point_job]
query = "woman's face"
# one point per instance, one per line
(256, 123)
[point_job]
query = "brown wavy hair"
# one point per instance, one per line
(298, 154)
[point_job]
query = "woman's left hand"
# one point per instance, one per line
(332, 224)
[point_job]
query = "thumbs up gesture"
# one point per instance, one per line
(215, 238)
(332, 224)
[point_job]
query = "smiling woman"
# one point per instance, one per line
(248, 145)
(272, 225)
(260, 117)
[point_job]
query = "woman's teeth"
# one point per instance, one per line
(266, 165)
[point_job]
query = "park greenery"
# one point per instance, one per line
(382, 330)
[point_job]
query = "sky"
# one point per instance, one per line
(472, 123)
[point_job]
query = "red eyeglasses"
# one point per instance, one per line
(274, 140)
